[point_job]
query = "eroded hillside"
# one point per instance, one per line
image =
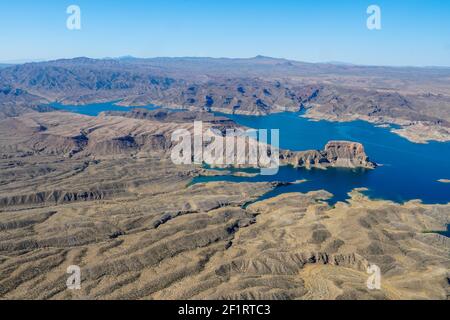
(102, 193)
(417, 99)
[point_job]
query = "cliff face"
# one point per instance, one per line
(163, 115)
(344, 154)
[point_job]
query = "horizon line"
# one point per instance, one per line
(331, 62)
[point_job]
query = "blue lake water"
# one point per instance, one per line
(446, 233)
(95, 109)
(409, 170)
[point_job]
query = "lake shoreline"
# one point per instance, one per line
(397, 180)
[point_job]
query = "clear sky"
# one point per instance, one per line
(414, 32)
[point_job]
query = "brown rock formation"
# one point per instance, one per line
(343, 154)
(258, 86)
(139, 230)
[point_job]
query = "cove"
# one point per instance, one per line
(95, 108)
(408, 170)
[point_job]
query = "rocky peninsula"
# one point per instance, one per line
(342, 154)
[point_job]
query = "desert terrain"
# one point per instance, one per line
(102, 193)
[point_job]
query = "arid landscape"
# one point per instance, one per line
(102, 193)
(417, 99)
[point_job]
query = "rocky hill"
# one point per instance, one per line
(14, 102)
(139, 230)
(117, 134)
(102, 192)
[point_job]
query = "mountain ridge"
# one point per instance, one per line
(255, 86)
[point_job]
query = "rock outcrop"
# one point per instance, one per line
(123, 134)
(344, 154)
(138, 229)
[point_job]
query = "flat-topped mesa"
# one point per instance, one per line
(163, 115)
(342, 154)
(348, 154)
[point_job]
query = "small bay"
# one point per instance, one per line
(407, 170)
(96, 108)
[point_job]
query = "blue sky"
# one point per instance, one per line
(414, 32)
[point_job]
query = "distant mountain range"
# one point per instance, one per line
(259, 85)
